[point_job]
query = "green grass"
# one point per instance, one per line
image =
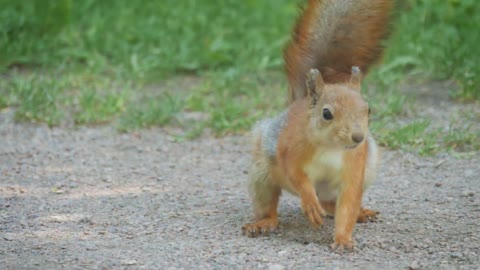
(145, 38)
(411, 136)
(235, 102)
(131, 64)
(3, 102)
(53, 98)
(117, 42)
(438, 39)
(159, 111)
(38, 98)
(98, 106)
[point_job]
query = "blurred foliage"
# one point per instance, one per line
(145, 37)
(90, 61)
(438, 39)
(154, 39)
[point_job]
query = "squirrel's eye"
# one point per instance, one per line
(327, 115)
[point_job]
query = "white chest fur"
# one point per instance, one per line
(324, 171)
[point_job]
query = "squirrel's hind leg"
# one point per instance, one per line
(367, 215)
(265, 195)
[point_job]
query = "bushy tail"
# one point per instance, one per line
(332, 36)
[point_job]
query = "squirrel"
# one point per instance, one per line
(320, 148)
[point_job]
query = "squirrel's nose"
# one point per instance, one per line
(357, 137)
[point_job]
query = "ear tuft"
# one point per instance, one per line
(315, 85)
(355, 70)
(311, 78)
(356, 77)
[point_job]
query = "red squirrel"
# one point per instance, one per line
(320, 148)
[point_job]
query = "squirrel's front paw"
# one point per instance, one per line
(342, 244)
(263, 227)
(313, 210)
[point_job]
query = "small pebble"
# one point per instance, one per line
(468, 194)
(129, 262)
(414, 265)
(456, 255)
(276, 267)
(73, 185)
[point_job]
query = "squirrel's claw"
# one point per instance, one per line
(341, 247)
(262, 227)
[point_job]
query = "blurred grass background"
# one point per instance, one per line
(206, 64)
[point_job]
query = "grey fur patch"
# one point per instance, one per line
(270, 130)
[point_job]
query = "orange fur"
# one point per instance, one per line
(294, 152)
(320, 149)
(318, 158)
(332, 36)
(350, 196)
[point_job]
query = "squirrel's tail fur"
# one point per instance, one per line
(332, 36)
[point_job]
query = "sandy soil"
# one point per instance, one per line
(94, 199)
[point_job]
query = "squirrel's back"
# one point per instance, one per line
(332, 36)
(268, 130)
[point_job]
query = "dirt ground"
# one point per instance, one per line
(92, 198)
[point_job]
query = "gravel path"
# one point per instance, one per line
(95, 199)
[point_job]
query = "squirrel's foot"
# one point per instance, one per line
(340, 245)
(367, 215)
(313, 210)
(262, 227)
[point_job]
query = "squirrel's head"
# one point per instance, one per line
(337, 111)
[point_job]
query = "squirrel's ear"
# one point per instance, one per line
(315, 85)
(356, 78)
